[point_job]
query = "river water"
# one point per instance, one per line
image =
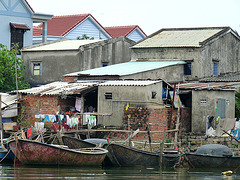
(9, 171)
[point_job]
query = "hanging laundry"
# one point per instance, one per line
(91, 122)
(46, 119)
(85, 119)
(78, 104)
(29, 132)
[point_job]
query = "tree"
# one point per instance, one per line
(9, 65)
(85, 37)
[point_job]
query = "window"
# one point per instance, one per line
(154, 94)
(17, 31)
(104, 64)
(36, 69)
(108, 95)
(215, 68)
(203, 101)
(188, 68)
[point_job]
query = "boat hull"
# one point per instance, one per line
(36, 153)
(207, 161)
(121, 155)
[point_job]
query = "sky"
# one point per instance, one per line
(149, 15)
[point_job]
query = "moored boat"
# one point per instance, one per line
(122, 155)
(36, 153)
(212, 156)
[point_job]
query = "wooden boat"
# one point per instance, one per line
(71, 142)
(36, 153)
(212, 156)
(122, 155)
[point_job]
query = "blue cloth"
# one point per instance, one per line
(46, 119)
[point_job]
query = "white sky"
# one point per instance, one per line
(150, 15)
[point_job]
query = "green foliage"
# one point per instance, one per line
(22, 121)
(85, 37)
(237, 104)
(8, 70)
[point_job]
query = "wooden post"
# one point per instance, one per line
(149, 137)
(177, 128)
(161, 149)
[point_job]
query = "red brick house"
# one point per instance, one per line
(126, 105)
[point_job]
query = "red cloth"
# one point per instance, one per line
(56, 127)
(29, 132)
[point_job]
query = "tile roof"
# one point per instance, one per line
(181, 37)
(127, 68)
(61, 25)
(20, 26)
(29, 6)
(116, 31)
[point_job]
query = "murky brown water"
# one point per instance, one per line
(8, 171)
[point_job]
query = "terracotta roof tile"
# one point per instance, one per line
(61, 25)
(20, 26)
(116, 31)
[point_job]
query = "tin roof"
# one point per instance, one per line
(59, 88)
(181, 37)
(127, 68)
(65, 88)
(225, 77)
(7, 99)
(129, 83)
(208, 86)
(64, 44)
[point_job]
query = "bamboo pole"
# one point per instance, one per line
(161, 149)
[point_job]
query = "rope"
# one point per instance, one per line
(5, 155)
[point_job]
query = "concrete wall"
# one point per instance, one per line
(188, 54)
(53, 65)
(201, 110)
(57, 63)
(170, 73)
(123, 95)
(224, 49)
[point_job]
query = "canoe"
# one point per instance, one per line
(212, 156)
(72, 142)
(122, 155)
(36, 153)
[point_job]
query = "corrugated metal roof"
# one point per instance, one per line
(129, 83)
(65, 88)
(59, 88)
(7, 99)
(227, 77)
(213, 85)
(182, 37)
(127, 68)
(62, 45)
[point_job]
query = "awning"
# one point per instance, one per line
(19, 26)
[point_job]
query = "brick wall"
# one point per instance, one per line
(69, 79)
(43, 105)
(157, 119)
